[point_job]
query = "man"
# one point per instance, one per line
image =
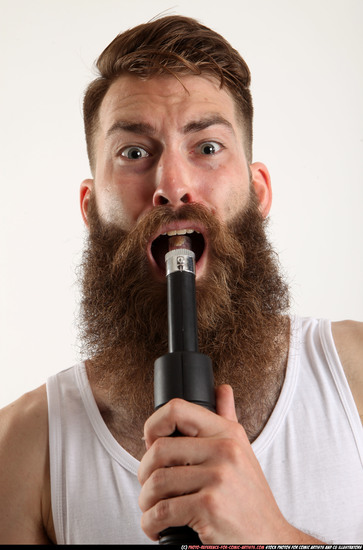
(169, 134)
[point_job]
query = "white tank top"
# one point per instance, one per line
(311, 451)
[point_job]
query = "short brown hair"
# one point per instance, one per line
(174, 45)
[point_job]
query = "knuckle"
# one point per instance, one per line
(209, 502)
(237, 431)
(144, 523)
(140, 476)
(141, 502)
(146, 526)
(176, 402)
(157, 480)
(147, 424)
(241, 434)
(159, 445)
(231, 450)
(161, 510)
(174, 406)
(219, 475)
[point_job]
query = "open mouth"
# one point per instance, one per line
(160, 246)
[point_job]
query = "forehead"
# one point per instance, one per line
(174, 99)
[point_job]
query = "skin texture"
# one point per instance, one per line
(170, 134)
(188, 481)
(220, 446)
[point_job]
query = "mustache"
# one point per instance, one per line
(121, 242)
(150, 222)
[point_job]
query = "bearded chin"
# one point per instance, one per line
(241, 302)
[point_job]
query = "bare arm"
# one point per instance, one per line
(348, 337)
(25, 516)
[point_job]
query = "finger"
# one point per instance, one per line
(171, 512)
(225, 402)
(189, 419)
(167, 452)
(171, 482)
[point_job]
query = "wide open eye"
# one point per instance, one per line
(209, 147)
(134, 153)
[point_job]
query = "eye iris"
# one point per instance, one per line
(208, 149)
(134, 153)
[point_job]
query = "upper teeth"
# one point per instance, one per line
(179, 232)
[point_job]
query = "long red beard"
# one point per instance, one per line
(241, 304)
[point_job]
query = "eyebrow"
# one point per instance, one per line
(206, 122)
(132, 127)
(144, 128)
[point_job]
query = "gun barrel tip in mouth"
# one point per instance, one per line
(180, 241)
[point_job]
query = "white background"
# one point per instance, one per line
(306, 62)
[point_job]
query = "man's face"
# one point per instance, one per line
(171, 158)
(161, 141)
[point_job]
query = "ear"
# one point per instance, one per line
(262, 183)
(85, 193)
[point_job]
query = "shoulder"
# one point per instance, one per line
(25, 421)
(29, 409)
(348, 338)
(24, 469)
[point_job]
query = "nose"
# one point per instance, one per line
(174, 182)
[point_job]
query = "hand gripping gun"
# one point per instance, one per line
(183, 372)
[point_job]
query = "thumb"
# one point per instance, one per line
(225, 402)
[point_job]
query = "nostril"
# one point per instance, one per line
(185, 198)
(161, 200)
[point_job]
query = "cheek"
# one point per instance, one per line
(238, 200)
(121, 197)
(114, 205)
(228, 190)
(124, 203)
